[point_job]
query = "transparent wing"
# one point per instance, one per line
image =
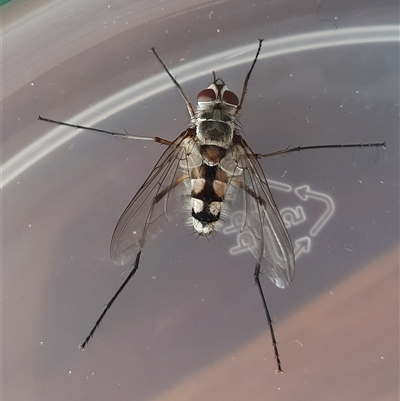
(157, 202)
(257, 217)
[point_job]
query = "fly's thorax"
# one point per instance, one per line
(216, 133)
(216, 123)
(216, 110)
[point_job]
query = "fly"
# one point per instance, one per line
(207, 171)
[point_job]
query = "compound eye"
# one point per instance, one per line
(230, 98)
(206, 96)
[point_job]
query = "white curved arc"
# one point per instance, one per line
(187, 72)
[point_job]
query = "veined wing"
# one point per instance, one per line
(157, 202)
(260, 217)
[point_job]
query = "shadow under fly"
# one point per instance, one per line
(206, 172)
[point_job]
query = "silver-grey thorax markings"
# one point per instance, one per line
(206, 172)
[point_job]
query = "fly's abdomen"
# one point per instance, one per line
(208, 191)
(205, 215)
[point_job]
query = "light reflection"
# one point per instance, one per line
(187, 72)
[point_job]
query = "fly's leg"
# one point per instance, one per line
(108, 306)
(271, 328)
(246, 80)
(188, 104)
(300, 148)
(157, 139)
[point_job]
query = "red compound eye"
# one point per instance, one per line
(230, 98)
(205, 96)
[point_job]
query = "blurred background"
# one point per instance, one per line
(190, 325)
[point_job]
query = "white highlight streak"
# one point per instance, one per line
(155, 85)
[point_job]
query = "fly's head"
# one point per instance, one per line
(216, 115)
(217, 96)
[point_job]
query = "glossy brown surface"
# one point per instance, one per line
(191, 325)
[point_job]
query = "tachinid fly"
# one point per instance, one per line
(206, 172)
